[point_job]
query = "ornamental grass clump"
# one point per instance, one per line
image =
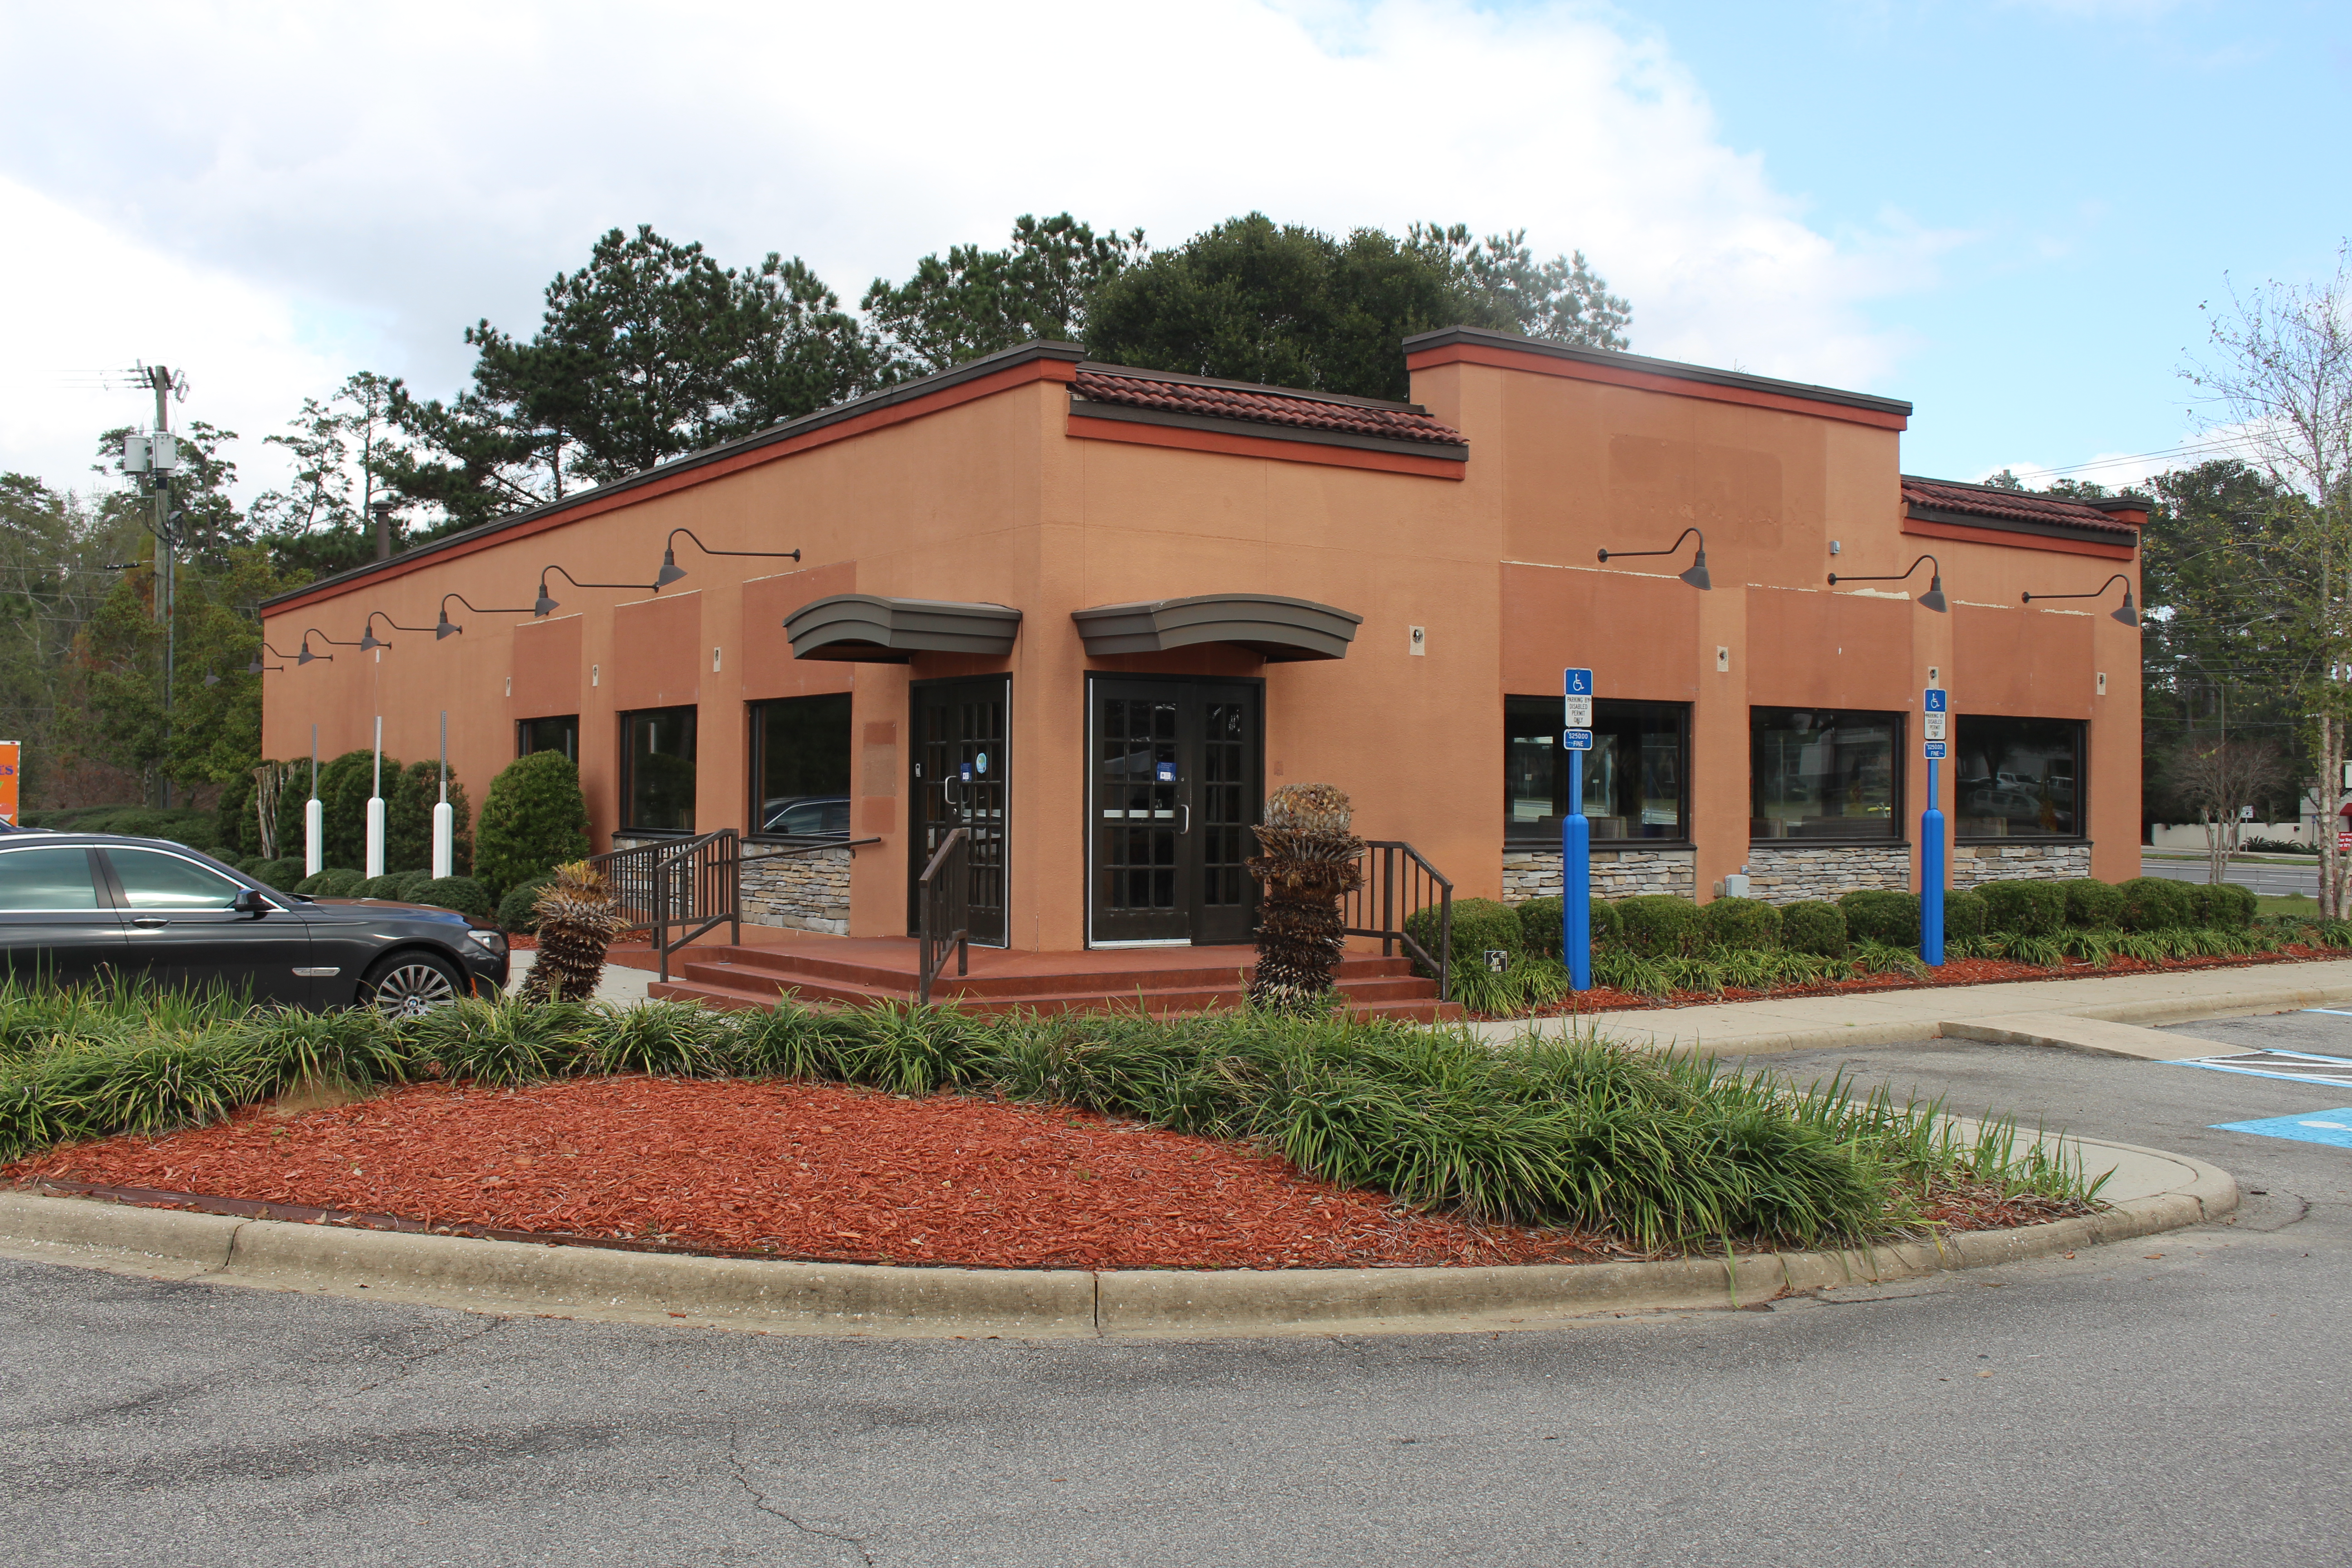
(1312, 860)
(578, 919)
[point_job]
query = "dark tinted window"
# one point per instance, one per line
(658, 770)
(2017, 778)
(35, 880)
(558, 734)
(1823, 773)
(800, 764)
(152, 880)
(1635, 777)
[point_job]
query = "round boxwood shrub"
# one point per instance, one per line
(1480, 926)
(312, 884)
(1814, 926)
(1967, 916)
(519, 910)
(1882, 915)
(282, 874)
(2093, 905)
(2225, 905)
(1540, 925)
(2023, 907)
(1659, 925)
(406, 885)
(1740, 923)
(376, 888)
(2155, 903)
(534, 820)
(463, 894)
(341, 882)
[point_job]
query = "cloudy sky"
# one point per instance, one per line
(2009, 213)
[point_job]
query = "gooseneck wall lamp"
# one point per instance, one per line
(257, 667)
(307, 657)
(367, 639)
(1933, 599)
(448, 627)
(671, 571)
(1695, 575)
(548, 605)
(2128, 613)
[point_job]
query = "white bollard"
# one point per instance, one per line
(375, 836)
(445, 840)
(314, 836)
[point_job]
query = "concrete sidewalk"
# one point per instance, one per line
(2106, 1015)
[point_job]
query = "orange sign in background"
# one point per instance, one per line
(9, 752)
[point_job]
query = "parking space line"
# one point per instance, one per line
(2333, 1128)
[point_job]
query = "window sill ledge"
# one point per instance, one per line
(2030, 843)
(1826, 843)
(1614, 846)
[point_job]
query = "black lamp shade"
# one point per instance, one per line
(255, 668)
(671, 570)
(544, 606)
(306, 656)
(1933, 599)
(446, 627)
(367, 639)
(1697, 576)
(2126, 614)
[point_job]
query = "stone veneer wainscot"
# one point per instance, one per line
(1779, 876)
(1974, 863)
(1616, 873)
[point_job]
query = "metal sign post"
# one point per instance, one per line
(1931, 836)
(1576, 835)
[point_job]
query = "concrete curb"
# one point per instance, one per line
(2154, 1190)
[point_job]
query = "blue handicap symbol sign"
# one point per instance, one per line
(2331, 1127)
(1936, 699)
(1166, 775)
(1578, 682)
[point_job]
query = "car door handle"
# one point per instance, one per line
(150, 922)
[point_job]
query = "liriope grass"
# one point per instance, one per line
(1665, 1153)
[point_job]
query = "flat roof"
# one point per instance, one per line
(1675, 370)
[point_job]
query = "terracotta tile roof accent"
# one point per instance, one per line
(1264, 405)
(2011, 506)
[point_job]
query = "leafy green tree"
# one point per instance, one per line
(345, 786)
(973, 301)
(534, 819)
(1254, 300)
(346, 451)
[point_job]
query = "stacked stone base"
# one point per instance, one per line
(1780, 875)
(1974, 863)
(1616, 873)
(808, 890)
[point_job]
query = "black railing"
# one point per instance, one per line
(679, 889)
(1398, 884)
(944, 899)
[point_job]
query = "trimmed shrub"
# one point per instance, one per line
(463, 894)
(2223, 906)
(344, 785)
(313, 884)
(519, 910)
(1749, 923)
(1540, 925)
(1966, 915)
(2153, 903)
(1659, 925)
(2023, 907)
(1480, 926)
(234, 828)
(284, 875)
(378, 887)
(293, 801)
(406, 885)
(1882, 915)
(1814, 926)
(408, 803)
(2093, 905)
(534, 820)
(341, 882)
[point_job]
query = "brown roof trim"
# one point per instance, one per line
(1134, 373)
(668, 476)
(1612, 363)
(1285, 630)
(1090, 408)
(865, 628)
(2111, 521)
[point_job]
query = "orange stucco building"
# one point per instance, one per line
(1097, 614)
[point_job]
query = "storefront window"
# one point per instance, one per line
(1819, 772)
(561, 734)
(658, 770)
(2017, 778)
(800, 766)
(1635, 776)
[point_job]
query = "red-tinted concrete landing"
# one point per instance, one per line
(770, 964)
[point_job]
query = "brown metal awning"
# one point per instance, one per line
(1282, 629)
(865, 628)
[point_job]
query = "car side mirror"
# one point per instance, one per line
(253, 902)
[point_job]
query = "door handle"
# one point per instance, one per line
(149, 922)
(1186, 807)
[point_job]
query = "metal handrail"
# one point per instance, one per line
(944, 901)
(1406, 884)
(688, 885)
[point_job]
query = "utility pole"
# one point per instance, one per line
(155, 456)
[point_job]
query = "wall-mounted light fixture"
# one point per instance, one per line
(1933, 599)
(1695, 575)
(547, 606)
(448, 627)
(671, 571)
(257, 667)
(307, 657)
(2127, 615)
(367, 639)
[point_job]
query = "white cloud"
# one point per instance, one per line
(350, 186)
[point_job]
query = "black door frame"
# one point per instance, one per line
(919, 852)
(1253, 787)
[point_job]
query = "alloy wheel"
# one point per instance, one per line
(412, 989)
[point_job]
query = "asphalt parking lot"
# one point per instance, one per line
(2178, 1399)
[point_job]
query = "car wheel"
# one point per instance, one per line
(410, 984)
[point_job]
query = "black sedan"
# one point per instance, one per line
(74, 905)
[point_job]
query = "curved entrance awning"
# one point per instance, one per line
(1282, 629)
(865, 628)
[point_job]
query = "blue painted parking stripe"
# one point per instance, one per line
(2331, 1012)
(2333, 1128)
(2257, 1072)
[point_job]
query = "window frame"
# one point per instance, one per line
(522, 729)
(627, 718)
(2081, 833)
(1899, 813)
(1514, 839)
(102, 886)
(755, 755)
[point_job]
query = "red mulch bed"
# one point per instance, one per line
(805, 1171)
(1954, 972)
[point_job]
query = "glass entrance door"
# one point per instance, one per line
(1174, 783)
(962, 778)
